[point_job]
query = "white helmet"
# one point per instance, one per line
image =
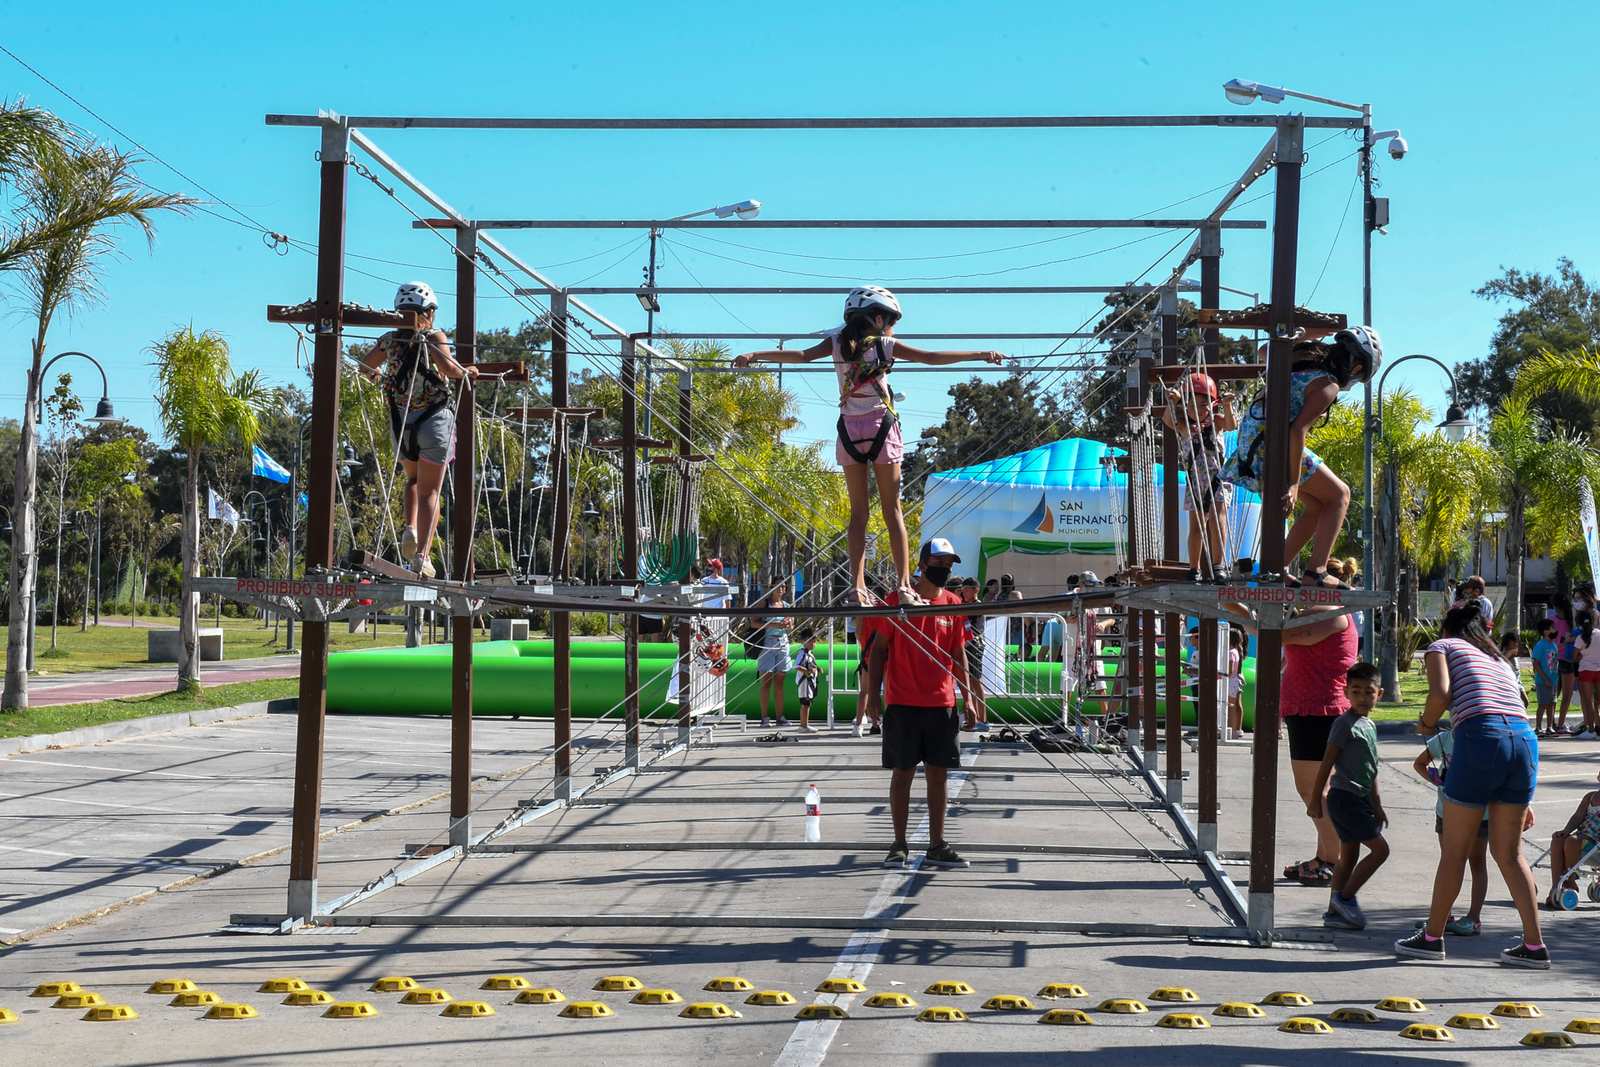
(415, 295)
(868, 297)
(1362, 342)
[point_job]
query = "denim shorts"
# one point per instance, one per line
(1495, 760)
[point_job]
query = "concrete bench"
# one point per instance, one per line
(508, 629)
(166, 646)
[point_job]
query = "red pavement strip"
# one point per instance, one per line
(153, 683)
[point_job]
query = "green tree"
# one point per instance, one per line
(62, 408)
(1557, 312)
(1436, 489)
(985, 419)
(105, 481)
(204, 405)
(71, 197)
(1093, 398)
(1540, 471)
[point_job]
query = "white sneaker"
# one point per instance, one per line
(860, 729)
(408, 543)
(423, 566)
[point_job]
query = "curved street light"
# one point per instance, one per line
(104, 413)
(1456, 426)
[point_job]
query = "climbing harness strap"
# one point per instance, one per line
(874, 443)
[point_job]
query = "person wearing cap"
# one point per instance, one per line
(977, 717)
(415, 367)
(1198, 417)
(714, 577)
(920, 661)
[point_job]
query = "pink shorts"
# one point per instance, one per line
(863, 430)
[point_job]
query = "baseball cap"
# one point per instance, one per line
(714, 563)
(939, 546)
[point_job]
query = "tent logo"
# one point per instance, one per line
(1039, 520)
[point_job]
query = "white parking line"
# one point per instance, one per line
(808, 1045)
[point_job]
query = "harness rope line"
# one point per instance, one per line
(731, 477)
(1047, 760)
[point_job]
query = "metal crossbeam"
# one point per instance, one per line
(956, 122)
(834, 290)
(845, 224)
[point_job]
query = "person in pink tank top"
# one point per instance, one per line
(869, 446)
(1316, 658)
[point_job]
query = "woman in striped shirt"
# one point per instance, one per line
(1495, 765)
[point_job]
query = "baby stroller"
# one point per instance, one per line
(1587, 869)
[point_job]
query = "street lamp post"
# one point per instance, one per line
(1375, 216)
(650, 300)
(104, 414)
(266, 511)
(1455, 427)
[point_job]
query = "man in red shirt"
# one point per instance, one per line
(916, 663)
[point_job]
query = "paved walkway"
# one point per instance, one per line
(642, 853)
(119, 683)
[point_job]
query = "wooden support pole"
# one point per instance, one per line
(463, 520)
(685, 449)
(311, 717)
(1130, 678)
(1274, 482)
(1147, 660)
(1174, 623)
(630, 548)
(560, 621)
(1210, 294)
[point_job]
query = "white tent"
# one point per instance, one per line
(1055, 510)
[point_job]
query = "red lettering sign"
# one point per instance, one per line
(296, 588)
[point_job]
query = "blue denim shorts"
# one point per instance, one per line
(1495, 760)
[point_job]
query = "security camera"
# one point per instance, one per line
(1398, 147)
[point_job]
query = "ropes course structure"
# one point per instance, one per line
(1102, 719)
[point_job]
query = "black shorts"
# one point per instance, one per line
(920, 735)
(1308, 735)
(1566, 666)
(1354, 818)
(974, 658)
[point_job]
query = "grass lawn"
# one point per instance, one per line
(116, 644)
(1414, 694)
(73, 716)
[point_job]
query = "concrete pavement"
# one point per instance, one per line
(740, 791)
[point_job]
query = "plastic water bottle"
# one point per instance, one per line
(813, 814)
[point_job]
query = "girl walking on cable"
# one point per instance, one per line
(864, 351)
(415, 368)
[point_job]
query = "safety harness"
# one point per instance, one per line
(874, 373)
(1333, 360)
(412, 384)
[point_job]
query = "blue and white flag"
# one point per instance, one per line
(1591, 528)
(218, 508)
(264, 466)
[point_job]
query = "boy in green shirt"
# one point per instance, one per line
(1353, 803)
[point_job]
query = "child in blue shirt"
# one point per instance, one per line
(1545, 679)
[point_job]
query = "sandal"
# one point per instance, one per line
(1292, 871)
(1321, 579)
(1317, 874)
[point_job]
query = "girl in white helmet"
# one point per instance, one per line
(863, 351)
(419, 413)
(1319, 373)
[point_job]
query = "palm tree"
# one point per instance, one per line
(69, 198)
(1541, 473)
(1438, 487)
(203, 405)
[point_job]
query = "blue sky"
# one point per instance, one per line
(1502, 170)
